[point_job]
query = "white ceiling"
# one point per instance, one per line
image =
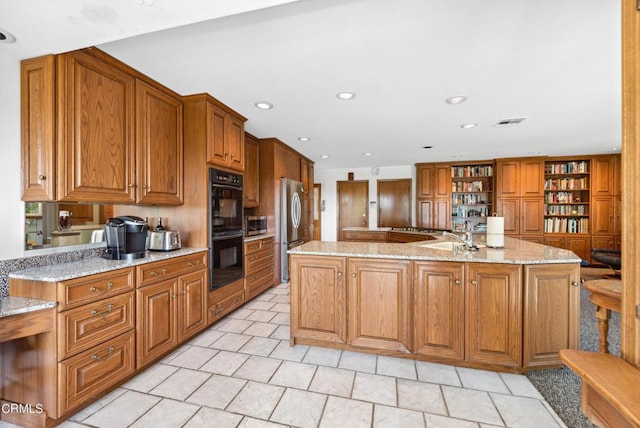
(555, 62)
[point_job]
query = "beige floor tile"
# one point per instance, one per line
(98, 404)
(344, 413)
(241, 313)
(205, 417)
(123, 411)
(262, 329)
(281, 307)
(206, 338)
(392, 417)
(323, 356)
(150, 378)
(225, 363)
(248, 422)
(262, 316)
(520, 385)
(256, 400)
(258, 368)
(260, 346)
(281, 299)
(234, 325)
(230, 342)
(282, 332)
(471, 405)
(293, 374)
(437, 421)
(437, 373)
(421, 396)
(282, 318)
(374, 388)
(523, 412)
(329, 380)
(167, 414)
(358, 361)
(217, 392)
(292, 353)
(398, 367)
(261, 306)
(299, 408)
(181, 384)
(483, 380)
(193, 358)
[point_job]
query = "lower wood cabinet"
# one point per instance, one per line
(157, 321)
(379, 302)
(578, 244)
(224, 300)
(259, 266)
(468, 314)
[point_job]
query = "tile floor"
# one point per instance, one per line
(242, 372)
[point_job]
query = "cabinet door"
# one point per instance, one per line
(96, 148)
(507, 178)
(532, 218)
(318, 298)
(580, 245)
(603, 242)
(156, 321)
(425, 186)
(216, 153)
(554, 241)
(551, 313)
(602, 215)
(425, 213)
(531, 177)
(439, 309)
(442, 213)
(602, 175)
(394, 203)
(251, 181)
(379, 304)
(234, 142)
(192, 301)
(159, 146)
(510, 210)
(442, 175)
(494, 314)
(37, 102)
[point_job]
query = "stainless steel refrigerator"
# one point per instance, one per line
(292, 220)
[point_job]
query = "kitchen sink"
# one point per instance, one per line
(446, 245)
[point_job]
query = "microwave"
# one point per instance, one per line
(255, 225)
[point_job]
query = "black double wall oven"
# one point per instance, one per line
(225, 228)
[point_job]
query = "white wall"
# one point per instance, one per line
(329, 177)
(11, 208)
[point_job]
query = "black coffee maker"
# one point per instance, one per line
(126, 238)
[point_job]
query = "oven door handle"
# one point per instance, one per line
(225, 186)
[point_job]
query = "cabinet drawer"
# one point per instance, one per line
(350, 235)
(88, 325)
(251, 247)
(225, 306)
(83, 377)
(259, 279)
(87, 289)
(157, 271)
(260, 260)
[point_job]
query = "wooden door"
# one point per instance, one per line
(317, 212)
(379, 304)
(394, 203)
(96, 150)
(192, 300)
(509, 208)
(531, 177)
(507, 178)
(251, 180)
(551, 313)
(494, 314)
(37, 102)
(353, 205)
(602, 215)
(159, 143)
(318, 298)
(234, 142)
(156, 321)
(532, 216)
(438, 297)
(216, 152)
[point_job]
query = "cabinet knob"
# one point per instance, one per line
(574, 283)
(339, 274)
(132, 185)
(353, 275)
(144, 186)
(42, 177)
(474, 282)
(173, 296)
(456, 282)
(184, 291)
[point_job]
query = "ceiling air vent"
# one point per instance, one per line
(510, 122)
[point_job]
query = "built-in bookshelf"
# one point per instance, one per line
(566, 197)
(471, 196)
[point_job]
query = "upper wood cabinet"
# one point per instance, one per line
(113, 134)
(433, 180)
(221, 129)
(519, 177)
(605, 175)
(251, 189)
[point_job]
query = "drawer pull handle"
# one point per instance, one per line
(109, 309)
(95, 289)
(191, 264)
(162, 272)
(96, 357)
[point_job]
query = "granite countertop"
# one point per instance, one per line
(256, 237)
(515, 251)
(93, 265)
(12, 305)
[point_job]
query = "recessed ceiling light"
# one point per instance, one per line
(346, 95)
(367, 154)
(324, 156)
(304, 139)
(263, 105)
(6, 37)
(614, 148)
(468, 125)
(456, 99)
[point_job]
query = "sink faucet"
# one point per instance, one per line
(467, 240)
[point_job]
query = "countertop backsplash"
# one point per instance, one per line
(11, 265)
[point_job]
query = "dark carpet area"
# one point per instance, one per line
(561, 387)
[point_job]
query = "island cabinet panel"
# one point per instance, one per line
(494, 314)
(439, 309)
(551, 313)
(319, 298)
(379, 304)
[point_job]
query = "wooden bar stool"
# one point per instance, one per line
(605, 295)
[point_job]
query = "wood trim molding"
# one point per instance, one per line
(630, 331)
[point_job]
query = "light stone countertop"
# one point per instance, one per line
(515, 251)
(12, 305)
(256, 237)
(93, 265)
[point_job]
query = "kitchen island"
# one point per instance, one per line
(509, 309)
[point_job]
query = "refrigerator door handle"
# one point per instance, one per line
(296, 210)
